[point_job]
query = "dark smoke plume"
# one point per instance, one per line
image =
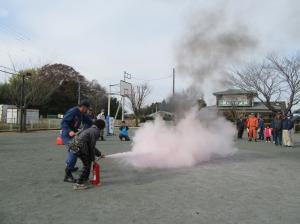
(212, 41)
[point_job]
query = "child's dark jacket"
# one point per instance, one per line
(87, 140)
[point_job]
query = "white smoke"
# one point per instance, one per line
(210, 43)
(198, 137)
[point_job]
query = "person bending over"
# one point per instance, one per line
(84, 147)
(124, 132)
(73, 119)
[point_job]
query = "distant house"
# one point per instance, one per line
(163, 114)
(235, 101)
(10, 114)
(296, 113)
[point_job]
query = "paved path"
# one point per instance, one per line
(260, 184)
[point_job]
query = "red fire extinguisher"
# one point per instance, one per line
(96, 174)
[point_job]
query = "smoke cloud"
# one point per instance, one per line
(196, 138)
(180, 102)
(213, 40)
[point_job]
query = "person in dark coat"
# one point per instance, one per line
(86, 151)
(101, 116)
(240, 126)
(261, 128)
(272, 127)
(73, 119)
(277, 123)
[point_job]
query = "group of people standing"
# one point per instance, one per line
(279, 131)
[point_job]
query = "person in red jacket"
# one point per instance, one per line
(252, 125)
(268, 133)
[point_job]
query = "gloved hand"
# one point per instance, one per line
(100, 157)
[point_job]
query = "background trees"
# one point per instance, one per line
(53, 89)
(4, 93)
(275, 79)
(137, 100)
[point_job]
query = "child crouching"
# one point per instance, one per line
(84, 147)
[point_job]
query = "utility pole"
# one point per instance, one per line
(108, 102)
(173, 81)
(23, 104)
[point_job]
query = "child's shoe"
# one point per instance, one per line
(80, 187)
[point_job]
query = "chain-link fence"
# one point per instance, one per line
(42, 124)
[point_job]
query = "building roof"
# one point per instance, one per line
(235, 92)
(257, 107)
(277, 105)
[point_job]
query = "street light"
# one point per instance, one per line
(23, 106)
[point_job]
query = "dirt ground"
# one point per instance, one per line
(260, 184)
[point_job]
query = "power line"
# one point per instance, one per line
(5, 75)
(18, 35)
(21, 39)
(7, 72)
(156, 79)
(7, 68)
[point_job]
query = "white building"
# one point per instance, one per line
(10, 114)
(3, 112)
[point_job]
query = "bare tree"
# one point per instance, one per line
(288, 71)
(39, 89)
(43, 83)
(273, 80)
(137, 99)
(97, 96)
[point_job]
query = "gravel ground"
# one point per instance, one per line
(260, 184)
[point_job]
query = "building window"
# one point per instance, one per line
(230, 103)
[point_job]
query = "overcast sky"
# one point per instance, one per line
(101, 39)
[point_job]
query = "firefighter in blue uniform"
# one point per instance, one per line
(73, 119)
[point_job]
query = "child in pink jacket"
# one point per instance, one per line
(268, 133)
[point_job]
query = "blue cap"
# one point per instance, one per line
(85, 103)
